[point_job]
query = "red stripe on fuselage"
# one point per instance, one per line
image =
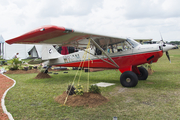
(122, 61)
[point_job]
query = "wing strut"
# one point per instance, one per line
(100, 58)
(104, 53)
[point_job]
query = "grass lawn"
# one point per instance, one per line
(156, 98)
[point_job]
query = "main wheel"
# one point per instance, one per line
(128, 79)
(143, 73)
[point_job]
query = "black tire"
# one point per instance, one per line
(129, 79)
(144, 73)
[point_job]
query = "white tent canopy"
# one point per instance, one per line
(7, 51)
(34, 51)
(22, 49)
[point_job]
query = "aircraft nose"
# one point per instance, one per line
(167, 47)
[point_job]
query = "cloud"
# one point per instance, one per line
(141, 19)
(58, 8)
(19, 3)
(137, 19)
(152, 9)
(4, 2)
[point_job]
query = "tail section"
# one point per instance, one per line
(49, 52)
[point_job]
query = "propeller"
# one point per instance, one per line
(167, 54)
(164, 45)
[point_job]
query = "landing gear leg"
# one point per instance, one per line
(46, 71)
(128, 79)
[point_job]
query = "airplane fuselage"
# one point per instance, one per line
(124, 59)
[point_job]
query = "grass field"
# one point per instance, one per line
(156, 98)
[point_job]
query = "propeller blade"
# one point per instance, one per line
(162, 39)
(167, 54)
(161, 36)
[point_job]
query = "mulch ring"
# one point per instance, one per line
(5, 83)
(57, 69)
(42, 76)
(87, 99)
(28, 71)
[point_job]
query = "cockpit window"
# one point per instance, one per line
(111, 46)
(133, 42)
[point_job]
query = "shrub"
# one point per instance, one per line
(5, 63)
(21, 68)
(8, 67)
(2, 61)
(42, 70)
(94, 89)
(30, 67)
(40, 67)
(15, 63)
(79, 90)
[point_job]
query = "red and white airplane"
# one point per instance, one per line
(124, 54)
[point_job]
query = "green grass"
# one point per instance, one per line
(156, 98)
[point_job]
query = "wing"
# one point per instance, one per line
(66, 37)
(62, 36)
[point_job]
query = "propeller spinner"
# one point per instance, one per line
(166, 47)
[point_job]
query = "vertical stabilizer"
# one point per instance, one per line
(49, 52)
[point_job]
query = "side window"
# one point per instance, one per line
(111, 47)
(127, 46)
(120, 47)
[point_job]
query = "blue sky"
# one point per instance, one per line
(120, 18)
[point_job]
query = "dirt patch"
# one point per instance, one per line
(42, 76)
(87, 99)
(5, 83)
(150, 71)
(22, 71)
(30, 71)
(149, 83)
(57, 69)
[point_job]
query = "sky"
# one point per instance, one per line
(138, 19)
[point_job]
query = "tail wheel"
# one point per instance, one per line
(144, 73)
(128, 79)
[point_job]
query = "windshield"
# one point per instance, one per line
(133, 42)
